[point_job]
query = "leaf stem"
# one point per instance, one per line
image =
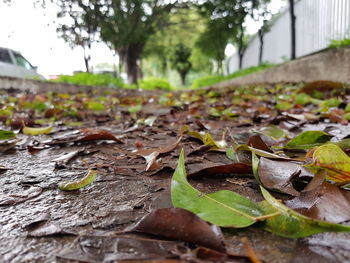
(264, 217)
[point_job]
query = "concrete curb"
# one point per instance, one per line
(39, 86)
(331, 65)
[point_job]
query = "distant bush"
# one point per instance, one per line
(155, 83)
(339, 43)
(210, 80)
(92, 80)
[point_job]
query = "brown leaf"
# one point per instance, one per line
(256, 142)
(49, 229)
(96, 134)
(118, 249)
(278, 175)
(227, 169)
(326, 202)
(180, 224)
(168, 148)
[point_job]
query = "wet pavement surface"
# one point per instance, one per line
(40, 223)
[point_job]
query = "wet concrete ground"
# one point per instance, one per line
(40, 223)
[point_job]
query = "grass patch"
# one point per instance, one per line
(89, 79)
(211, 80)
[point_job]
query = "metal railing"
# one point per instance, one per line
(317, 23)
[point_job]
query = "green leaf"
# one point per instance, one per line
(232, 155)
(308, 139)
(283, 106)
(36, 131)
(75, 185)
(234, 210)
(244, 147)
(273, 131)
(96, 106)
(5, 135)
(255, 167)
(292, 224)
(332, 159)
(206, 138)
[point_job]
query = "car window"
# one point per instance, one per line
(5, 56)
(21, 61)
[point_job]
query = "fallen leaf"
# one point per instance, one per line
(308, 139)
(75, 185)
(256, 142)
(278, 175)
(50, 229)
(244, 147)
(118, 249)
(332, 159)
(326, 202)
(96, 134)
(36, 131)
(5, 135)
(180, 224)
(290, 223)
(205, 138)
(234, 210)
(273, 131)
(227, 169)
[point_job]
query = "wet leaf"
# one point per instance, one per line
(50, 229)
(165, 149)
(332, 159)
(244, 147)
(278, 175)
(180, 224)
(75, 185)
(227, 169)
(234, 209)
(256, 142)
(97, 134)
(326, 202)
(5, 135)
(308, 139)
(205, 138)
(292, 224)
(36, 131)
(118, 249)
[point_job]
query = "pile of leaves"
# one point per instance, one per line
(281, 151)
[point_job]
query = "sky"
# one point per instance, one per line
(32, 31)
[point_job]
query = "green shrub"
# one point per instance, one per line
(89, 79)
(339, 43)
(155, 83)
(211, 80)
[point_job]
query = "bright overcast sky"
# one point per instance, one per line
(32, 31)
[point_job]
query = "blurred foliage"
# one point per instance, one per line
(180, 61)
(339, 43)
(92, 80)
(155, 83)
(210, 80)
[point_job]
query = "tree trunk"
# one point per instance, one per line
(86, 60)
(240, 56)
(261, 44)
(132, 55)
(293, 36)
(183, 77)
(241, 47)
(219, 65)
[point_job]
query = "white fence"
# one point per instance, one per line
(317, 22)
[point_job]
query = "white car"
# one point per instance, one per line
(13, 64)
